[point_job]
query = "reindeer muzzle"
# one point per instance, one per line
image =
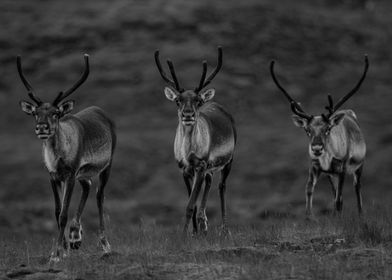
(317, 150)
(42, 130)
(188, 118)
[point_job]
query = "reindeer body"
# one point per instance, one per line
(204, 142)
(75, 148)
(336, 144)
(211, 140)
(83, 145)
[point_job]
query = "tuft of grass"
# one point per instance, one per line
(371, 233)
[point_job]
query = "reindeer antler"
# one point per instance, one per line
(295, 106)
(62, 95)
(331, 108)
(29, 88)
(173, 82)
(203, 82)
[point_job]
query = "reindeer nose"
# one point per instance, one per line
(41, 127)
(188, 114)
(317, 149)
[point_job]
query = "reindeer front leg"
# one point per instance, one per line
(188, 181)
(198, 179)
(202, 216)
(68, 186)
(314, 173)
(75, 228)
(56, 184)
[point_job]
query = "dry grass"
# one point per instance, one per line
(335, 247)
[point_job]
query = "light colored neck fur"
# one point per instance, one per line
(324, 160)
(60, 145)
(336, 146)
(190, 139)
(184, 139)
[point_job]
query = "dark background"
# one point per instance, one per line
(319, 48)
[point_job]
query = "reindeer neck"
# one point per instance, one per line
(188, 134)
(61, 141)
(54, 142)
(190, 140)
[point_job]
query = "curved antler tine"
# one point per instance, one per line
(22, 77)
(216, 70)
(173, 74)
(164, 76)
(161, 71)
(58, 98)
(297, 109)
(203, 76)
(81, 80)
(295, 106)
(329, 107)
(356, 88)
(330, 101)
(277, 83)
(25, 82)
(325, 118)
(34, 98)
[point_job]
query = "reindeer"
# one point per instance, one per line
(336, 145)
(75, 147)
(204, 142)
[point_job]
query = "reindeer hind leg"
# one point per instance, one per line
(357, 185)
(333, 179)
(339, 196)
(103, 179)
(222, 190)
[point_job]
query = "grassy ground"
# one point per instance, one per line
(333, 248)
(319, 47)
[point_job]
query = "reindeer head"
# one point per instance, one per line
(318, 128)
(47, 114)
(188, 101)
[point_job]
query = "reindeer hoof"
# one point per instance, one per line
(75, 235)
(311, 219)
(75, 245)
(203, 226)
(224, 232)
(54, 259)
(107, 249)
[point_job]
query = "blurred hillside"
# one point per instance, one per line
(319, 48)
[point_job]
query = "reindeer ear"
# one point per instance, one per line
(27, 107)
(207, 94)
(298, 121)
(66, 107)
(171, 94)
(337, 118)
